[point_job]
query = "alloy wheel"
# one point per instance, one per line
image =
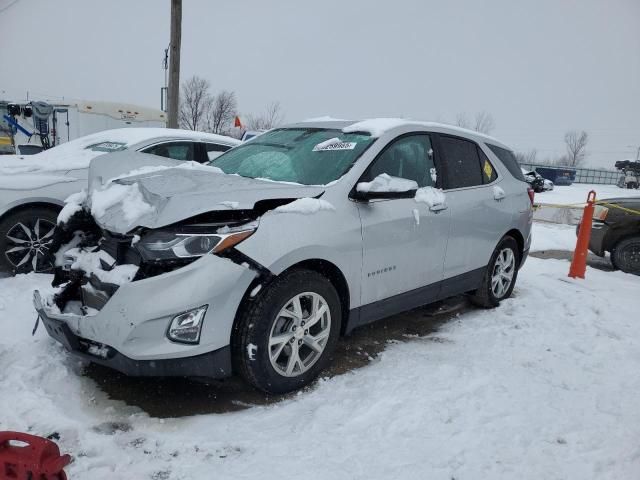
(299, 334)
(28, 245)
(503, 271)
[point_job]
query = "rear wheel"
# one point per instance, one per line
(25, 237)
(626, 255)
(501, 274)
(286, 338)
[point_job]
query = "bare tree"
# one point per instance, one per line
(271, 117)
(576, 143)
(462, 120)
(529, 157)
(222, 112)
(195, 102)
(484, 123)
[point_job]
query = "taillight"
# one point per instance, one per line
(531, 194)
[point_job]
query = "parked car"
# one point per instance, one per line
(537, 182)
(33, 188)
(617, 231)
(257, 265)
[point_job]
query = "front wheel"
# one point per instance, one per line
(25, 238)
(286, 338)
(501, 274)
(626, 255)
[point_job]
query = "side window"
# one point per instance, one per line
(509, 160)
(489, 173)
(174, 150)
(409, 157)
(214, 150)
(463, 162)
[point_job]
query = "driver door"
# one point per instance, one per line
(404, 241)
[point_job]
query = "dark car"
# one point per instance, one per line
(617, 230)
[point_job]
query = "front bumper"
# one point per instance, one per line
(129, 332)
(216, 364)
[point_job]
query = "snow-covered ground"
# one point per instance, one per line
(577, 193)
(544, 387)
(552, 236)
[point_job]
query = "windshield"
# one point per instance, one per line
(310, 156)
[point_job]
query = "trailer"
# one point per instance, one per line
(30, 127)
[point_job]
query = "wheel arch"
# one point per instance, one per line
(321, 266)
(26, 205)
(517, 236)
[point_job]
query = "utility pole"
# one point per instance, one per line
(174, 63)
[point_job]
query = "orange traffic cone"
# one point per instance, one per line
(579, 261)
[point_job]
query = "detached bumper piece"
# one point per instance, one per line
(215, 364)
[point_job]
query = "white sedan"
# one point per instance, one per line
(33, 188)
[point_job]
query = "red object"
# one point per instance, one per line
(237, 123)
(579, 261)
(532, 194)
(27, 457)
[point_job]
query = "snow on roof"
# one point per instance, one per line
(76, 155)
(325, 118)
(376, 127)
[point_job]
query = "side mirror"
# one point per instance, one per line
(385, 186)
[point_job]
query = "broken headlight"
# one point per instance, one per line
(168, 245)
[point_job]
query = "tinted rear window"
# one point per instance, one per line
(463, 163)
(509, 160)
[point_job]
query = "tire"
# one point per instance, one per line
(24, 239)
(488, 295)
(625, 255)
(273, 369)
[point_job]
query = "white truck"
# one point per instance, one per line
(29, 127)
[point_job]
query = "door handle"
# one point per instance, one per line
(438, 208)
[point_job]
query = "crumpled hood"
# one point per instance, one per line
(180, 190)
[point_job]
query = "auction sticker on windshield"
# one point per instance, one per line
(335, 146)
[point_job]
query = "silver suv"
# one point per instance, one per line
(257, 265)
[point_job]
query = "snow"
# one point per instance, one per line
(431, 196)
(74, 154)
(256, 290)
(129, 197)
(416, 215)
(550, 236)
(386, 183)
(544, 387)
(577, 193)
(72, 205)
(149, 169)
(251, 351)
(90, 262)
(375, 126)
(325, 118)
(305, 206)
(498, 192)
(31, 182)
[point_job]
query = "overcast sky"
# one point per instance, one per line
(540, 67)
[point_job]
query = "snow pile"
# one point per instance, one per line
(305, 206)
(129, 197)
(31, 182)
(91, 262)
(430, 195)
(387, 183)
(72, 205)
(544, 387)
(150, 169)
(498, 192)
(577, 193)
(375, 126)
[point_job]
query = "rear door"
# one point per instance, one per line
(403, 240)
(480, 212)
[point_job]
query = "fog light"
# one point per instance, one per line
(186, 327)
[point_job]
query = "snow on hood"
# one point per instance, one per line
(162, 196)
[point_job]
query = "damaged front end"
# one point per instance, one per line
(91, 263)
